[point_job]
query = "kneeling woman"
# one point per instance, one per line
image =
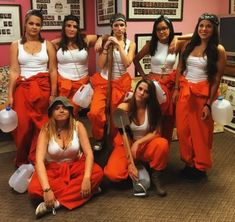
(147, 144)
(65, 173)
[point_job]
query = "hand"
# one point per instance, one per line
(51, 98)
(10, 101)
(205, 113)
(133, 172)
(134, 148)
(49, 198)
(85, 187)
(98, 44)
(175, 96)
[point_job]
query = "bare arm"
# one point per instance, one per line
(144, 51)
(55, 43)
(215, 84)
(52, 65)
(14, 71)
(126, 58)
(86, 147)
(220, 71)
(41, 151)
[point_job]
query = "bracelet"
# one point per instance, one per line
(208, 106)
(53, 95)
(47, 190)
(105, 53)
(105, 49)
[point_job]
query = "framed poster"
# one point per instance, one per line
(55, 10)
(232, 7)
(150, 9)
(104, 10)
(10, 23)
(145, 62)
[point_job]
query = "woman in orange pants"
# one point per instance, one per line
(123, 54)
(65, 173)
(202, 64)
(72, 56)
(147, 144)
(33, 77)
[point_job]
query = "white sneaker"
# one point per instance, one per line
(42, 209)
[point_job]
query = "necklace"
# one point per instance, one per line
(59, 132)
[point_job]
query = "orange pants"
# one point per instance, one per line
(155, 153)
(195, 135)
(168, 116)
(68, 88)
(97, 109)
(31, 100)
(65, 180)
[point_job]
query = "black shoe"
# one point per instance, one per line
(186, 171)
(192, 173)
(155, 177)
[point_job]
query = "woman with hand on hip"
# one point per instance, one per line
(146, 143)
(65, 171)
(198, 77)
(33, 83)
(123, 54)
(72, 56)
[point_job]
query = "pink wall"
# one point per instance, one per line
(26, 5)
(192, 9)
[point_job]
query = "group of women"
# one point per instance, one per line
(45, 75)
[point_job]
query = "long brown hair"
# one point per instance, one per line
(153, 107)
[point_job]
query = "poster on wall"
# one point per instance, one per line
(150, 9)
(10, 25)
(145, 62)
(232, 7)
(104, 10)
(54, 12)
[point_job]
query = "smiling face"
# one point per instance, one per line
(205, 29)
(142, 92)
(71, 28)
(119, 28)
(163, 32)
(33, 25)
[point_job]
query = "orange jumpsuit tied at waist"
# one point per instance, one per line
(96, 115)
(168, 116)
(195, 135)
(65, 181)
(155, 153)
(68, 88)
(31, 100)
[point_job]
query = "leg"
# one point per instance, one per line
(117, 166)
(156, 154)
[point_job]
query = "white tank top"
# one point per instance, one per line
(55, 153)
(118, 67)
(162, 57)
(196, 69)
(141, 130)
(31, 65)
(73, 64)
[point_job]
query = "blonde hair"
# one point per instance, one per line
(52, 131)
